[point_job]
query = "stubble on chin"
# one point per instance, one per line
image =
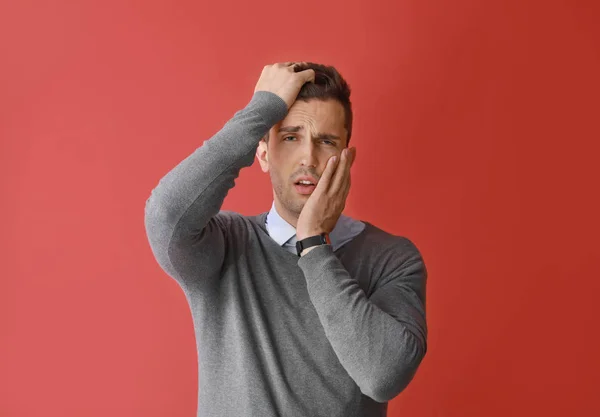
(291, 203)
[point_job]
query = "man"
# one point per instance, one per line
(300, 311)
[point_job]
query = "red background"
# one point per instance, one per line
(476, 127)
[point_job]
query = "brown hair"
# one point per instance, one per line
(328, 84)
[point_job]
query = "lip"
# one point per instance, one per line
(305, 189)
(306, 178)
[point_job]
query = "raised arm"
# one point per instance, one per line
(186, 232)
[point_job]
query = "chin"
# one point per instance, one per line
(295, 204)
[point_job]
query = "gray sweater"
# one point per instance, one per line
(331, 334)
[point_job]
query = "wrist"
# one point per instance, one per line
(304, 235)
(305, 251)
(306, 244)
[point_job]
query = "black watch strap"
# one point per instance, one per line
(322, 239)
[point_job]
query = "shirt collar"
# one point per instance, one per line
(282, 232)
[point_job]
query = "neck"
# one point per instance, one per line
(285, 214)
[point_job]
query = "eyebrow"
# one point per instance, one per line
(296, 129)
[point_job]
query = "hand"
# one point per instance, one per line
(326, 203)
(281, 79)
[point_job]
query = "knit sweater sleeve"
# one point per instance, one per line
(185, 228)
(380, 340)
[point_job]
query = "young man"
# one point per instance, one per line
(300, 311)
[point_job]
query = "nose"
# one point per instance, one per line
(309, 154)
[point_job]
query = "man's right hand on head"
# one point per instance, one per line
(281, 79)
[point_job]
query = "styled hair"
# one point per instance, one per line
(328, 85)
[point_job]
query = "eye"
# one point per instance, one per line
(329, 142)
(287, 137)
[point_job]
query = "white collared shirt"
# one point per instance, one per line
(284, 233)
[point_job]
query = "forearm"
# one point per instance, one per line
(378, 351)
(189, 195)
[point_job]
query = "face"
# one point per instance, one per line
(301, 144)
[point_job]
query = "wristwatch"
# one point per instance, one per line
(322, 239)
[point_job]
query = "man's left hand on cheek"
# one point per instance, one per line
(326, 203)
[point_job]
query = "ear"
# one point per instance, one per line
(262, 154)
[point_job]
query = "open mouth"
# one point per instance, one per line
(304, 188)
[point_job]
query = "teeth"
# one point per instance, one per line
(306, 182)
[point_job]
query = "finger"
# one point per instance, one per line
(346, 187)
(286, 64)
(346, 180)
(351, 157)
(308, 75)
(325, 179)
(341, 172)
